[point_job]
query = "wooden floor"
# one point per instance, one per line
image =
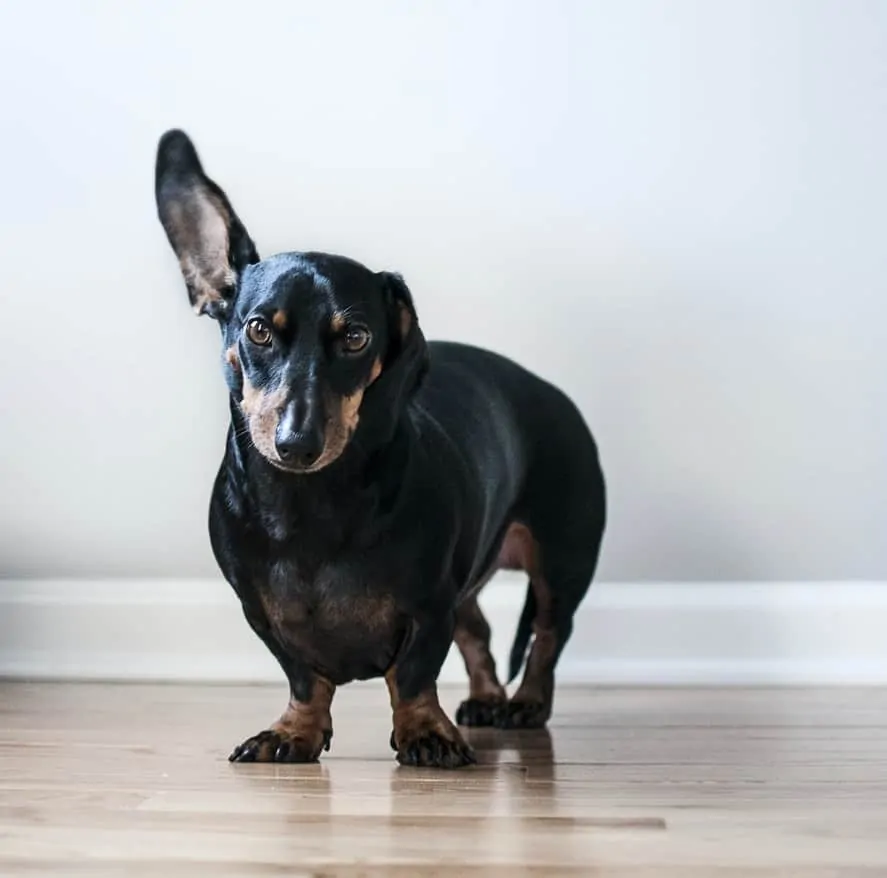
(134, 781)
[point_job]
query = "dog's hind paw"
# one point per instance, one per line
(478, 712)
(525, 715)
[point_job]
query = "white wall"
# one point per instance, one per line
(674, 209)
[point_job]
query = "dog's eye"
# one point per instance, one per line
(258, 332)
(355, 339)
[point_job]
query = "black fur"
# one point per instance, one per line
(358, 568)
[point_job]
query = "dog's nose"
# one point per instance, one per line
(302, 449)
(299, 439)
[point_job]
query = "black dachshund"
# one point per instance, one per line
(372, 484)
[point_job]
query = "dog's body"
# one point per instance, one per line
(372, 483)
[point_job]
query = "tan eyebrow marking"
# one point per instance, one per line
(279, 319)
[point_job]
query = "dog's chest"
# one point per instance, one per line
(345, 626)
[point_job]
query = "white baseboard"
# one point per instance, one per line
(632, 634)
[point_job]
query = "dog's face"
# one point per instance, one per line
(306, 337)
(313, 343)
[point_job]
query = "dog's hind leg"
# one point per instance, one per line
(557, 590)
(487, 700)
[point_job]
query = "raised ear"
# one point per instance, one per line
(211, 243)
(404, 366)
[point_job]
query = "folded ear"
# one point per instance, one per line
(211, 243)
(404, 366)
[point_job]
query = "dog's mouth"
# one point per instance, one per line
(295, 469)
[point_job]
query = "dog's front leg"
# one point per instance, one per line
(305, 728)
(423, 734)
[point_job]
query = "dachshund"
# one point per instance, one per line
(373, 482)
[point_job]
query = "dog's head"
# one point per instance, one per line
(314, 344)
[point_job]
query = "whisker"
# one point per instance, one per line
(350, 311)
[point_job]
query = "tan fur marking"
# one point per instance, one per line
(472, 637)
(338, 322)
(406, 321)
(288, 616)
(307, 726)
(391, 683)
(311, 719)
(279, 319)
(521, 551)
(350, 410)
(374, 614)
(263, 409)
(537, 684)
(231, 358)
(341, 426)
(419, 716)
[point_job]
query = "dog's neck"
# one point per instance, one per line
(344, 495)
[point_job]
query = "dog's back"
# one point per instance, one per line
(524, 436)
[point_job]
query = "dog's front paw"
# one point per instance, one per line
(424, 736)
(278, 745)
(429, 749)
(479, 712)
